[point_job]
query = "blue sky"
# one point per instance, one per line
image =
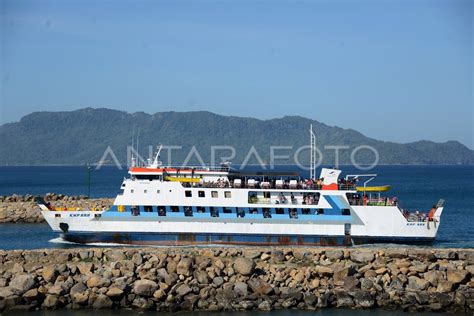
(394, 70)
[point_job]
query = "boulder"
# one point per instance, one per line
(184, 266)
(49, 273)
(102, 301)
(241, 288)
(114, 292)
(31, 295)
(364, 299)
(457, 276)
(144, 287)
(244, 266)
(201, 277)
(183, 289)
(259, 286)
(77, 288)
(362, 256)
(434, 277)
(50, 302)
(324, 270)
(343, 299)
(445, 287)
(22, 283)
(334, 254)
(97, 281)
(115, 255)
(417, 284)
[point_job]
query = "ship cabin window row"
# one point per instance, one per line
(269, 197)
(201, 194)
(239, 212)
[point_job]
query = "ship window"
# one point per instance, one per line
(145, 191)
(161, 211)
(201, 194)
(293, 213)
(227, 210)
(135, 210)
(200, 209)
(320, 211)
(158, 191)
(131, 191)
(214, 212)
(346, 212)
(188, 211)
(175, 209)
(188, 193)
(266, 195)
(240, 212)
(306, 211)
(266, 213)
(227, 194)
(214, 194)
(280, 211)
(253, 211)
(148, 208)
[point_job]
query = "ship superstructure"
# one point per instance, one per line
(165, 205)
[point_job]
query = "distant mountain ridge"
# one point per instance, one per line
(81, 136)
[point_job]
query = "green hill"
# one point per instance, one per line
(82, 136)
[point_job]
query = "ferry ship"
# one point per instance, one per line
(165, 205)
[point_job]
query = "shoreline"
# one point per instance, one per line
(23, 208)
(233, 279)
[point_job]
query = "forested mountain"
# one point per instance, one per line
(82, 136)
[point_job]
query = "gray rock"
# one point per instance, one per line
(334, 254)
(183, 289)
(50, 302)
(457, 276)
(6, 292)
(259, 286)
(102, 301)
(343, 299)
(144, 287)
(362, 256)
(244, 266)
(277, 256)
(434, 277)
(184, 266)
(201, 277)
(265, 306)
(417, 284)
(115, 255)
(77, 288)
(252, 254)
(364, 299)
(22, 283)
(218, 281)
(241, 288)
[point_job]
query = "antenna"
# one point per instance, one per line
(156, 162)
(312, 146)
(132, 162)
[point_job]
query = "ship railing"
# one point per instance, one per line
(374, 201)
(200, 168)
(224, 184)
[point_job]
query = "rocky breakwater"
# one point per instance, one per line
(237, 279)
(23, 209)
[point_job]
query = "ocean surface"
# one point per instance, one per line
(417, 188)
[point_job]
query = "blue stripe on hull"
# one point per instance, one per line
(195, 239)
(236, 239)
(392, 240)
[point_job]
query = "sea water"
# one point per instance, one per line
(417, 188)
